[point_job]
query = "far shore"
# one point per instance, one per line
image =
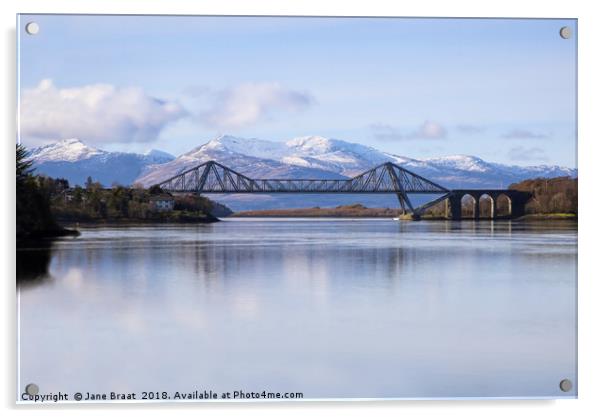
(349, 211)
(360, 211)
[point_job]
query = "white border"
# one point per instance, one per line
(590, 106)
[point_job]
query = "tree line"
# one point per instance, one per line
(34, 216)
(43, 202)
(92, 202)
(555, 195)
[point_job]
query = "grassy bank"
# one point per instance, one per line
(360, 211)
(349, 211)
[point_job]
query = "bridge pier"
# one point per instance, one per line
(404, 211)
(453, 207)
(401, 203)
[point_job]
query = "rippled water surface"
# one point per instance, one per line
(330, 308)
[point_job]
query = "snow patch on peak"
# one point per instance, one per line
(224, 141)
(457, 158)
(313, 142)
(462, 162)
(316, 145)
(319, 146)
(71, 149)
(158, 154)
(70, 142)
(247, 146)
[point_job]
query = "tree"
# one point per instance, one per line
(24, 169)
(33, 200)
(193, 203)
(78, 195)
(118, 201)
(155, 190)
(554, 195)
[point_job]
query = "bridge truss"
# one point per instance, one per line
(213, 177)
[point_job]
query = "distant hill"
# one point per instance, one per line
(319, 157)
(75, 161)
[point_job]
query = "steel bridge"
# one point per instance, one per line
(387, 178)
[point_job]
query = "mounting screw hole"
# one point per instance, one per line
(565, 32)
(32, 389)
(566, 385)
(32, 28)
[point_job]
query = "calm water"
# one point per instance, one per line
(330, 308)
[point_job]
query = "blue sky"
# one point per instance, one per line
(503, 90)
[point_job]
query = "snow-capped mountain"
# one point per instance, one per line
(319, 157)
(342, 157)
(68, 150)
(158, 156)
(75, 161)
(253, 157)
(304, 157)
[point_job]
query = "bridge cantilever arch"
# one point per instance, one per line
(213, 177)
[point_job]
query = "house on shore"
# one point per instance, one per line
(162, 203)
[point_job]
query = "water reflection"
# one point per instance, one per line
(336, 308)
(33, 261)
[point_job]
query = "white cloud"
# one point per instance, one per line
(249, 103)
(428, 130)
(95, 113)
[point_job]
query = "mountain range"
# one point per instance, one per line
(75, 161)
(303, 157)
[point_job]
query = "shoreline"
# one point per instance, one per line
(70, 226)
(548, 217)
(527, 218)
(48, 235)
(347, 211)
(530, 218)
(359, 212)
(135, 222)
(312, 216)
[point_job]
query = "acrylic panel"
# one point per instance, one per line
(218, 208)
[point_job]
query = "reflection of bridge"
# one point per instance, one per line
(213, 177)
